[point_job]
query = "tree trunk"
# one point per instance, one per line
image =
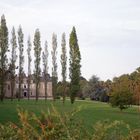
(36, 91)
(2, 91)
(19, 93)
(28, 87)
(2, 86)
(139, 103)
(45, 90)
(12, 88)
(64, 92)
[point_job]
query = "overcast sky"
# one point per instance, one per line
(108, 30)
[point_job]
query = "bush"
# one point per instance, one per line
(49, 126)
(121, 99)
(109, 130)
(56, 126)
(134, 135)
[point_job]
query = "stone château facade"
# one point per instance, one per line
(24, 87)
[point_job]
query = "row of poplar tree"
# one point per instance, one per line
(17, 42)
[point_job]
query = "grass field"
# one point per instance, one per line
(90, 113)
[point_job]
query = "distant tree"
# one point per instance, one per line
(108, 90)
(121, 95)
(75, 58)
(94, 83)
(54, 65)
(13, 62)
(64, 64)
(21, 59)
(135, 86)
(94, 87)
(60, 89)
(121, 82)
(37, 53)
(45, 66)
(121, 99)
(108, 87)
(83, 88)
(126, 83)
(3, 54)
(29, 64)
(94, 79)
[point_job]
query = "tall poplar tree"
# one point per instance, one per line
(29, 64)
(75, 58)
(13, 61)
(37, 52)
(3, 54)
(64, 64)
(54, 64)
(21, 59)
(45, 66)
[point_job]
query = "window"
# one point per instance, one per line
(8, 87)
(24, 86)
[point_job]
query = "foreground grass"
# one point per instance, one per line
(90, 112)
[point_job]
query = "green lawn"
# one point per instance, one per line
(91, 111)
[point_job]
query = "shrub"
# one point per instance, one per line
(109, 130)
(49, 126)
(56, 126)
(121, 99)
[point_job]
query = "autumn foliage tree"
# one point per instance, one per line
(121, 95)
(135, 86)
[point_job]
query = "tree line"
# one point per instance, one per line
(122, 91)
(17, 44)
